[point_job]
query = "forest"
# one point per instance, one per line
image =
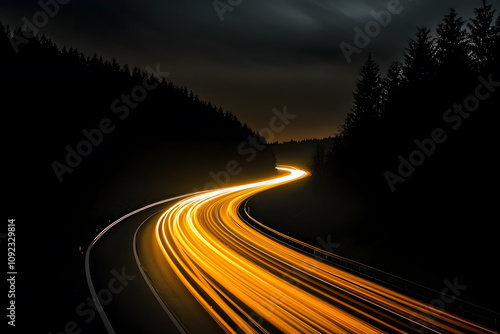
(86, 140)
(420, 144)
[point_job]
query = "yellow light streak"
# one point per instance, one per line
(231, 269)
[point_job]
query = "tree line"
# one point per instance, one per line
(55, 102)
(420, 148)
(439, 70)
(50, 94)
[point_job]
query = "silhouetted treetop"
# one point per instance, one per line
(420, 57)
(392, 83)
(483, 34)
(437, 72)
(367, 99)
(452, 47)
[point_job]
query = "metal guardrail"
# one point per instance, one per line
(460, 307)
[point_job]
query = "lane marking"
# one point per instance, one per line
(90, 284)
(172, 317)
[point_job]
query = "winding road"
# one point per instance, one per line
(211, 272)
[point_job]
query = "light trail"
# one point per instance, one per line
(238, 274)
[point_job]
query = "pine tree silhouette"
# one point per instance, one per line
(420, 58)
(453, 50)
(437, 70)
(392, 85)
(483, 35)
(367, 101)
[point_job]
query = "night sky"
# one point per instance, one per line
(264, 54)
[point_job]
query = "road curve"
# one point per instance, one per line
(119, 296)
(250, 283)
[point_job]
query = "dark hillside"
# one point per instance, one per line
(85, 141)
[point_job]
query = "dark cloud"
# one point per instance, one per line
(264, 55)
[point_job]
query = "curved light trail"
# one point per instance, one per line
(251, 283)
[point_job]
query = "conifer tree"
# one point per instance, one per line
(482, 35)
(419, 59)
(367, 99)
(452, 53)
(392, 83)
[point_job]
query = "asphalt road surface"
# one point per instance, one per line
(194, 266)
